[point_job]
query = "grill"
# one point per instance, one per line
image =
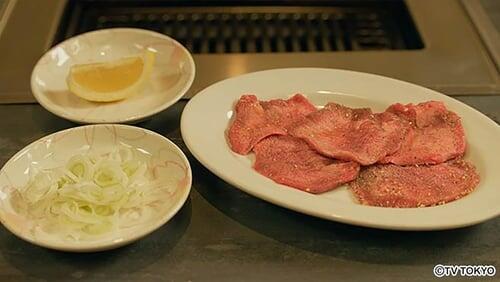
(260, 28)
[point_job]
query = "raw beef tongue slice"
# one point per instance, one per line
(290, 161)
(436, 135)
(255, 120)
(250, 125)
(351, 134)
(285, 112)
(414, 186)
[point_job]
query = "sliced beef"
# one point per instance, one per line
(436, 134)
(352, 134)
(255, 120)
(250, 125)
(283, 113)
(395, 130)
(290, 161)
(414, 186)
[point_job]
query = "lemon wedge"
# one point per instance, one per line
(111, 81)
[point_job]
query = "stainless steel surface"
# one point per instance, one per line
(486, 17)
(223, 234)
(28, 33)
(6, 7)
(454, 60)
(492, 9)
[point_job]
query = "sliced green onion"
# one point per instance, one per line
(91, 195)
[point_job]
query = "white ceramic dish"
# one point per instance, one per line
(171, 78)
(207, 116)
(55, 150)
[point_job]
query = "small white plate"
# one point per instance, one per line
(54, 150)
(171, 78)
(207, 116)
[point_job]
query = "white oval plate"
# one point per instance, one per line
(54, 150)
(207, 116)
(172, 76)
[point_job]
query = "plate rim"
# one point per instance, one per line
(409, 227)
(37, 93)
(107, 245)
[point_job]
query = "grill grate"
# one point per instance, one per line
(323, 29)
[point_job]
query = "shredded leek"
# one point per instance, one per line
(91, 195)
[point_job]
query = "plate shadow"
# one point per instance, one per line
(342, 240)
(51, 265)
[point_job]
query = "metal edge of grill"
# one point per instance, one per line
(209, 29)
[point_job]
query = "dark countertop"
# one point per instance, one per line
(222, 234)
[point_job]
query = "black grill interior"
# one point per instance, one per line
(260, 28)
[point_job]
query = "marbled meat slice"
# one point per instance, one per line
(255, 120)
(351, 134)
(283, 113)
(290, 161)
(414, 186)
(250, 125)
(436, 134)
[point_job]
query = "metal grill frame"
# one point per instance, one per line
(358, 26)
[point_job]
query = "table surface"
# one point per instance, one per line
(223, 234)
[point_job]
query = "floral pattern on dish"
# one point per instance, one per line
(55, 150)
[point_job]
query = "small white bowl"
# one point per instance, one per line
(172, 76)
(54, 150)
